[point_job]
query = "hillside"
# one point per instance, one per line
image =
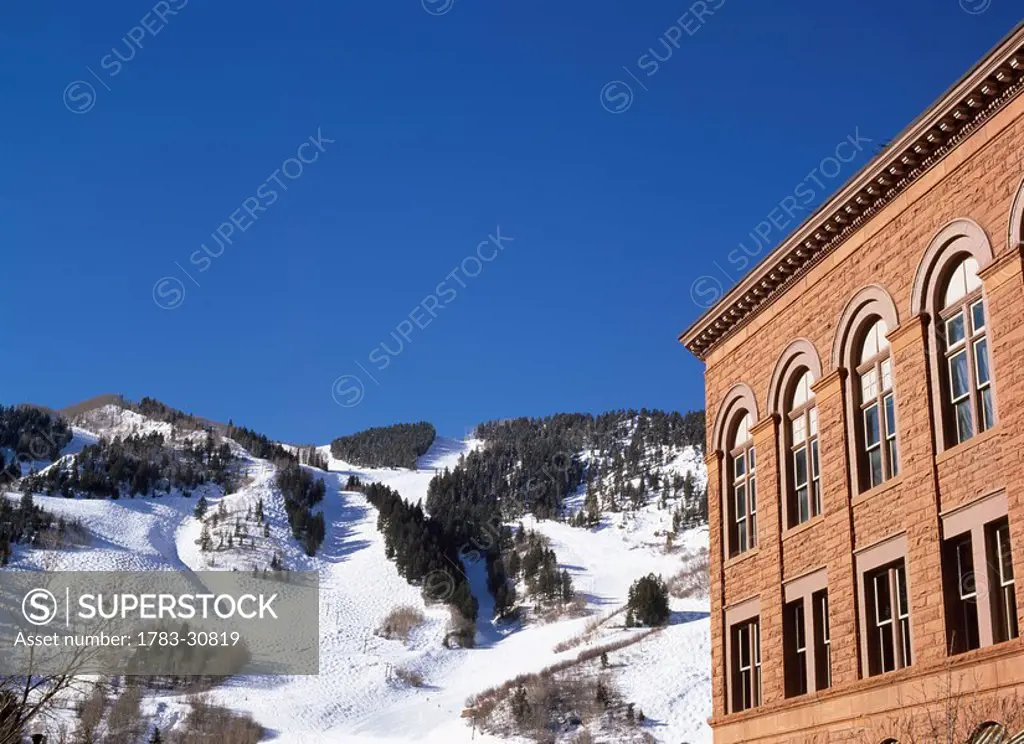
(373, 688)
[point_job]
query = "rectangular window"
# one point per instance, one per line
(960, 395)
(822, 641)
(815, 480)
(741, 518)
(743, 526)
(752, 526)
(1001, 581)
(800, 478)
(746, 665)
(888, 612)
(890, 433)
(955, 330)
(961, 594)
(795, 648)
(983, 380)
(873, 444)
(869, 385)
(977, 316)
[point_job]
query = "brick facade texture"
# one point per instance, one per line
(978, 180)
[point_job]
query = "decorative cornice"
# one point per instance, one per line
(963, 109)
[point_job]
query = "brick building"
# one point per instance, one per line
(865, 411)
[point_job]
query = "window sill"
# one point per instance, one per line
(737, 559)
(877, 490)
(922, 671)
(975, 441)
(802, 527)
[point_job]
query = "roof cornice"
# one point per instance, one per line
(986, 89)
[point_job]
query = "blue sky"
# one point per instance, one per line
(360, 158)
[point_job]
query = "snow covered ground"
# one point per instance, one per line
(355, 698)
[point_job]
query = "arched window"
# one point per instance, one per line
(791, 397)
(989, 733)
(861, 347)
(949, 292)
(968, 373)
(743, 487)
(878, 449)
(802, 415)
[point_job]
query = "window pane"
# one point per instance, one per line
(800, 467)
(965, 570)
(750, 457)
(875, 466)
(886, 374)
(890, 415)
(1005, 555)
(901, 592)
(741, 502)
(812, 416)
(1010, 603)
(887, 652)
(741, 535)
(869, 385)
(871, 426)
(964, 429)
(803, 505)
(958, 375)
(799, 430)
(883, 604)
(981, 362)
(905, 638)
(955, 330)
(978, 316)
(753, 494)
(987, 413)
(739, 465)
(798, 626)
(815, 471)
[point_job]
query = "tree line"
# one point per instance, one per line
(30, 435)
(301, 493)
(396, 446)
(260, 446)
(423, 552)
(136, 465)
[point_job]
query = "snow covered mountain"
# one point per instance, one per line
(382, 688)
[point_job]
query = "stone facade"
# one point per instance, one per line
(964, 196)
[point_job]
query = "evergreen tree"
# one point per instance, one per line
(648, 601)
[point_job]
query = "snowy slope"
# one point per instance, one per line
(355, 698)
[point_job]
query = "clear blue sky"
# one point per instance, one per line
(445, 124)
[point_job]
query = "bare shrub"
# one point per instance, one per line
(588, 632)
(90, 714)
(461, 631)
(694, 580)
(65, 533)
(576, 607)
(400, 622)
(125, 722)
(411, 677)
(206, 723)
(561, 697)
